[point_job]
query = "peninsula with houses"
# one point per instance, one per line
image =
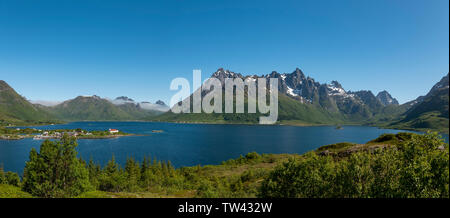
(38, 134)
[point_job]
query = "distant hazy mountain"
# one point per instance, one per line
(137, 112)
(159, 106)
(95, 108)
(45, 103)
(159, 102)
(88, 108)
(429, 111)
(122, 100)
(15, 109)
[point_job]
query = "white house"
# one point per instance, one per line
(113, 131)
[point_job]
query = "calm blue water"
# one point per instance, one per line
(191, 144)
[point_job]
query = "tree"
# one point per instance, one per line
(12, 179)
(112, 177)
(94, 173)
(2, 175)
(133, 174)
(56, 171)
(425, 167)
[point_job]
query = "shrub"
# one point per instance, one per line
(56, 171)
(416, 168)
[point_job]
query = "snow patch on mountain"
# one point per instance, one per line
(291, 91)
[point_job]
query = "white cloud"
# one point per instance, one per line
(45, 103)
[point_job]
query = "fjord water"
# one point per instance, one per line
(191, 144)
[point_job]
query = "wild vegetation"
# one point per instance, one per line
(403, 165)
(15, 109)
(417, 167)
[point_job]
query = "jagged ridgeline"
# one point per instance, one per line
(302, 100)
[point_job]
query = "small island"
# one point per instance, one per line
(38, 134)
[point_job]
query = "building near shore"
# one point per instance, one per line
(112, 131)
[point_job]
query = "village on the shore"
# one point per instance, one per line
(77, 133)
(38, 134)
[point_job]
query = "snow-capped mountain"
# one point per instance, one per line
(333, 97)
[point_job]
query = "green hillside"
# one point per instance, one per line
(294, 112)
(289, 111)
(94, 108)
(88, 109)
(137, 113)
(14, 109)
(431, 112)
(9, 191)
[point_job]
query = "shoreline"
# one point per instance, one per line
(283, 123)
(77, 137)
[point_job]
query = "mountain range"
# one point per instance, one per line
(94, 108)
(302, 100)
(16, 110)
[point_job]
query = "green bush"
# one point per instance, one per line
(56, 171)
(336, 146)
(9, 178)
(416, 168)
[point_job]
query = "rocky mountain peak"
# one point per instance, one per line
(442, 84)
(336, 84)
(159, 102)
(124, 98)
(94, 97)
(299, 73)
(274, 74)
(386, 98)
(222, 73)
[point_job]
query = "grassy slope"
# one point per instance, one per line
(289, 112)
(9, 191)
(431, 114)
(223, 171)
(266, 164)
(98, 109)
(292, 112)
(138, 113)
(424, 122)
(14, 109)
(88, 108)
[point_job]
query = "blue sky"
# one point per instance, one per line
(57, 50)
